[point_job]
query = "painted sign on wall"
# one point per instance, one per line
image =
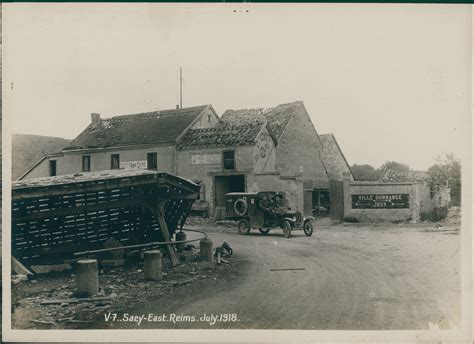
(264, 153)
(387, 201)
(205, 159)
(133, 164)
(264, 144)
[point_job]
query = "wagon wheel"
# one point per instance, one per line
(244, 226)
(264, 230)
(308, 228)
(286, 226)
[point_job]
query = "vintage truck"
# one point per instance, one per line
(264, 211)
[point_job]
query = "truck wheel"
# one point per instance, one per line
(240, 207)
(308, 228)
(264, 230)
(286, 226)
(244, 227)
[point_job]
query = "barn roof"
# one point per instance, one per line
(277, 117)
(222, 135)
(333, 157)
(159, 127)
(71, 183)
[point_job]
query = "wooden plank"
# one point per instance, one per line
(19, 268)
(159, 213)
(59, 190)
(27, 191)
(75, 300)
(77, 210)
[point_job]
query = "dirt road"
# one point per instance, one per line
(354, 277)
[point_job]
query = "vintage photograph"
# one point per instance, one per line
(236, 166)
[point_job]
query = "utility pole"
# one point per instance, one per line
(180, 87)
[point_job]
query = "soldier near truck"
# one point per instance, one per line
(264, 211)
(273, 205)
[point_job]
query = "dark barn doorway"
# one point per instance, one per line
(321, 202)
(337, 200)
(226, 184)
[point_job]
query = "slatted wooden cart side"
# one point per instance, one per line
(56, 216)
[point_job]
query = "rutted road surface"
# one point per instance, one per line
(354, 277)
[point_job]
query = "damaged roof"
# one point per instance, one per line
(334, 160)
(163, 126)
(277, 117)
(222, 135)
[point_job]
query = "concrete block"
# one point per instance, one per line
(87, 277)
(153, 265)
(205, 248)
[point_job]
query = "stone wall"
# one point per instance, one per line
(375, 215)
(207, 163)
(422, 202)
(292, 186)
(71, 162)
(299, 148)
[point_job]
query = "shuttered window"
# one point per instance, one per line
(86, 163)
(115, 161)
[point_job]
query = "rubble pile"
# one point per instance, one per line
(197, 221)
(454, 216)
(211, 224)
(49, 301)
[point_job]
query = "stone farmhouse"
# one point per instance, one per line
(244, 150)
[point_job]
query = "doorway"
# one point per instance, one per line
(321, 202)
(226, 184)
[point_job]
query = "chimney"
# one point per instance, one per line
(177, 106)
(95, 118)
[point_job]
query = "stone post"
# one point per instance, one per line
(153, 267)
(87, 277)
(415, 203)
(346, 187)
(205, 248)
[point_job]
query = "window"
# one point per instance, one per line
(208, 118)
(114, 161)
(86, 163)
(229, 161)
(152, 161)
(52, 167)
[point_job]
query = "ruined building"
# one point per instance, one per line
(274, 148)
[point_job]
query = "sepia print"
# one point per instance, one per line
(236, 167)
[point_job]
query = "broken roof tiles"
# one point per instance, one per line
(277, 117)
(222, 135)
(235, 128)
(145, 128)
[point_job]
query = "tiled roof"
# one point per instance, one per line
(28, 149)
(276, 117)
(222, 135)
(333, 158)
(145, 128)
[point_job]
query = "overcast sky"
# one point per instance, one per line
(392, 82)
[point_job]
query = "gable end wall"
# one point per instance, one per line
(298, 146)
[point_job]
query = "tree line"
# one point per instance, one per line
(445, 171)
